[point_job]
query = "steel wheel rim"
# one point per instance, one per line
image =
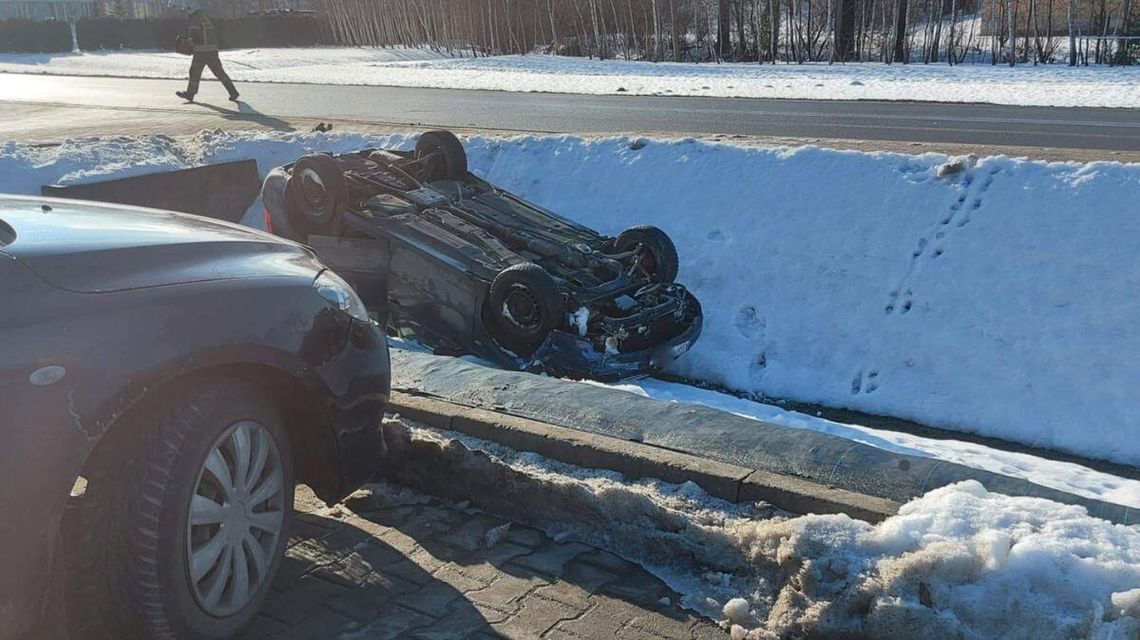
(313, 191)
(235, 519)
(522, 309)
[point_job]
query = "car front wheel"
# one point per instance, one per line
(183, 523)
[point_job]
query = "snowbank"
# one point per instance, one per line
(957, 563)
(1048, 85)
(998, 300)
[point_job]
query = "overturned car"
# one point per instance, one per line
(463, 266)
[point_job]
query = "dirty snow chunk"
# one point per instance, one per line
(954, 563)
(957, 165)
(736, 610)
(497, 535)
(1128, 602)
(976, 555)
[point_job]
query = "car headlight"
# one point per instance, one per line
(340, 295)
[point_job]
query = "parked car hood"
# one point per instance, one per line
(89, 247)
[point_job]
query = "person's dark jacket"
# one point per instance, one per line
(203, 35)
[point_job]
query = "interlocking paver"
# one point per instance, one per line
(550, 558)
(525, 536)
(460, 579)
(506, 591)
(433, 599)
(265, 628)
(295, 604)
(393, 622)
(472, 534)
(535, 617)
(461, 621)
(364, 605)
(323, 624)
(427, 571)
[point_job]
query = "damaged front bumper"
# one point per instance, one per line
(357, 384)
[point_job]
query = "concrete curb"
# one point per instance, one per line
(637, 460)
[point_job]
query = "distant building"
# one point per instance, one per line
(66, 10)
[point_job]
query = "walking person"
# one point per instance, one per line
(204, 43)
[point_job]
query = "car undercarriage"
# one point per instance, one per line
(473, 268)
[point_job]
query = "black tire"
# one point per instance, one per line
(314, 194)
(451, 159)
(523, 305)
(125, 539)
(660, 258)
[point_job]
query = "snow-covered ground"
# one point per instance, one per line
(1054, 85)
(998, 300)
(959, 562)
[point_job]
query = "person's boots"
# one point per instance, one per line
(185, 95)
(234, 95)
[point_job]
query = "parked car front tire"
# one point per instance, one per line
(183, 523)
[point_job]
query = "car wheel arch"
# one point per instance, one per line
(310, 437)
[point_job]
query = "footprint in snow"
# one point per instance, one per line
(757, 367)
(865, 384)
(749, 323)
(902, 304)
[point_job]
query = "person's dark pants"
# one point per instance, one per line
(208, 59)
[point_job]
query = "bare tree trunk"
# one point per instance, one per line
(1122, 24)
(553, 25)
(1012, 32)
(723, 28)
(844, 29)
(675, 31)
(900, 31)
(657, 32)
(592, 4)
(774, 26)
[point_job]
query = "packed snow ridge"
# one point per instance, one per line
(996, 299)
(959, 562)
(1046, 85)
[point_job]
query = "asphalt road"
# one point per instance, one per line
(60, 99)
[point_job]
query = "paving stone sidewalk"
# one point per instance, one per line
(433, 570)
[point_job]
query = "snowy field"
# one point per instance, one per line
(999, 300)
(1053, 85)
(959, 562)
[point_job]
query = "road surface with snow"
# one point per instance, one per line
(62, 102)
(1045, 85)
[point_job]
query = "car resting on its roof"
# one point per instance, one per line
(469, 267)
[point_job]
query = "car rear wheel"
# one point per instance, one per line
(183, 525)
(658, 254)
(445, 156)
(314, 194)
(523, 305)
